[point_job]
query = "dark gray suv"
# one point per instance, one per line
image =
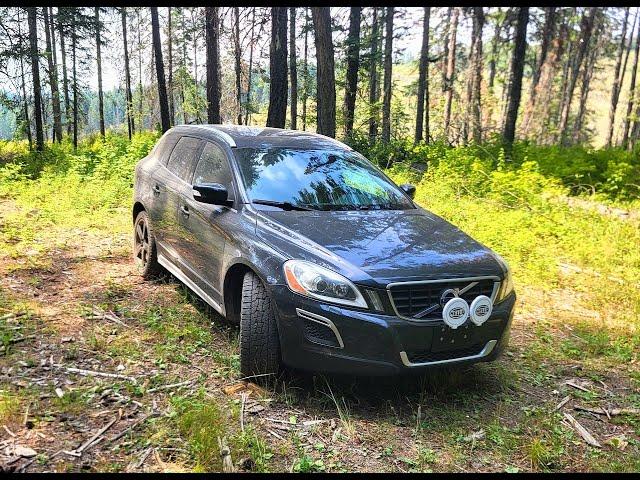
(322, 260)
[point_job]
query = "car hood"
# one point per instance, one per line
(385, 246)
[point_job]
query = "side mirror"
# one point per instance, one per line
(409, 189)
(213, 193)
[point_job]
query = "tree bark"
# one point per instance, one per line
(162, 88)
(238, 69)
(615, 90)
(422, 107)
(515, 83)
(388, 65)
(293, 68)
(35, 73)
(99, 64)
(74, 40)
(140, 88)
(212, 31)
(24, 88)
(494, 53)
(53, 78)
(476, 104)
(353, 64)
(373, 78)
(65, 76)
(326, 71)
(127, 74)
(585, 35)
(632, 93)
(172, 108)
(548, 33)
(248, 105)
(277, 113)
(451, 66)
(305, 69)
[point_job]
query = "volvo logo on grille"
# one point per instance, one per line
(455, 312)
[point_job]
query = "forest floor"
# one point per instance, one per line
(102, 371)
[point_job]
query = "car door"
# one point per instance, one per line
(173, 181)
(204, 224)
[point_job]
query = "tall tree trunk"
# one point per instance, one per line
(539, 126)
(99, 62)
(249, 79)
(587, 74)
(632, 94)
(293, 69)
(515, 82)
(548, 33)
(172, 108)
(388, 65)
(162, 88)
(585, 36)
(494, 54)
(445, 53)
(353, 64)
(65, 76)
(53, 78)
(422, 109)
(451, 66)
(615, 90)
(236, 51)
(326, 71)
(277, 113)
(24, 88)
(127, 74)
(74, 41)
(212, 31)
(476, 104)
(373, 79)
(140, 89)
(183, 27)
(305, 69)
(35, 73)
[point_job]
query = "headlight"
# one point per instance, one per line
(318, 282)
(506, 286)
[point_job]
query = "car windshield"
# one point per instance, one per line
(316, 179)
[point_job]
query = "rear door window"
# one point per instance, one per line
(183, 157)
(213, 166)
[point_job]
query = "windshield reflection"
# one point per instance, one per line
(317, 179)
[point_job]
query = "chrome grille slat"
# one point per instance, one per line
(410, 298)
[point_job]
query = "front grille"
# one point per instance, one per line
(424, 356)
(411, 298)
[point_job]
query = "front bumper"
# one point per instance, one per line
(369, 343)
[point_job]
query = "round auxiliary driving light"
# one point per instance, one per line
(481, 309)
(455, 312)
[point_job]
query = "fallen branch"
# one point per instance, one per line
(583, 432)
(575, 385)
(608, 413)
(131, 427)
(93, 373)
(170, 386)
(225, 454)
(96, 438)
(563, 402)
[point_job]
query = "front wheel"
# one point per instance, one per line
(259, 343)
(144, 248)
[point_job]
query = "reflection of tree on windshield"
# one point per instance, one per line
(313, 178)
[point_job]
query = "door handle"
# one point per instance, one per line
(156, 189)
(184, 210)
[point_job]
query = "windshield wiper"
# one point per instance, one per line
(283, 205)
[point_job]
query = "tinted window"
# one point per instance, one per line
(319, 179)
(183, 156)
(213, 167)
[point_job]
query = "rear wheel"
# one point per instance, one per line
(144, 248)
(259, 343)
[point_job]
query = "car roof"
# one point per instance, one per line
(242, 136)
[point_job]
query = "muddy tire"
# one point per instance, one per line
(145, 253)
(259, 343)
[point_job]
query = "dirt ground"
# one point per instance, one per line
(102, 371)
